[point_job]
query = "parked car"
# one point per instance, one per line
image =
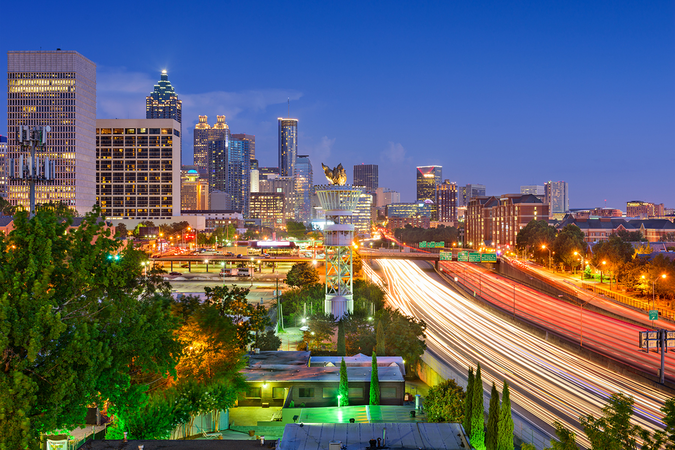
(174, 273)
(239, 256)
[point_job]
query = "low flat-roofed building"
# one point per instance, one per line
(428, 436)
(277, 379)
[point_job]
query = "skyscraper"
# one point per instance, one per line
(163, 103)
(239, 174)
(200, 146)
(366, 175)
(427, 179)
(466, 193)
(3, 162)
(533, 189)
(251, 142)
(304, 180)
(58, 89)
(446, 195)
(557, 197)
(288, 146)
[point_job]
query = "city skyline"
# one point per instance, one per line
(544, 92)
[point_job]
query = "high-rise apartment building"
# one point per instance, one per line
(194, 190)
(239, 174)
(138, 168)
(556, 195)
(55, 89)
(163, 103)
(217, 160)
(366, 175)
(267, 173)
(446, 195)
(304, 181)
(250, 138)
(288, 146)
(3, 172)
(466, 193)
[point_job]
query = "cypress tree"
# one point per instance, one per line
(343, 390)
(468, 403)
(505, 433)
(379, 336)
(374, 383)
(341, 344)
(493, 420)
(477, 413)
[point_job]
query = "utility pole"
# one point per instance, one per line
(32, 169)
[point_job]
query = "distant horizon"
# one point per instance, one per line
(498, 94)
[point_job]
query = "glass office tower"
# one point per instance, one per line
(288, 146)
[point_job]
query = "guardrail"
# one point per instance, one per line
(628, 300)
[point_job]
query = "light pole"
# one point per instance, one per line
(663, 275)
(252, 269)
(549, 255)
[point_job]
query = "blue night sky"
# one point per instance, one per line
(498, 93)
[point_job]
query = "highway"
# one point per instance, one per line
(613, 338)
(548, 382)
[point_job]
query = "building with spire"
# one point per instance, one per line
(163, 103)
(201, 142)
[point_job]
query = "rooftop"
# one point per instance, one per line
(320, 374)
(427, 436)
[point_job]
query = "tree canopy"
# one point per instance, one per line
(569, 246)
(302, 274)
(297, 230)
(76, 326)
(445, 402)
(535, 234)
(413, 235)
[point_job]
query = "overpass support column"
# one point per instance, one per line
(171, 266)
(437, 265)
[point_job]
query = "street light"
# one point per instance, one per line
(601, 273)
(549, 256)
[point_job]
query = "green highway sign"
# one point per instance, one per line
(446, 256)
(432, 244)
(488, 257)
(653, 314)
(474, 257)
(463, 256)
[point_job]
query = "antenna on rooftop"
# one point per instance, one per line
(289, 108)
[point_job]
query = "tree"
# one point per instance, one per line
(6, 208)
(614, 429)
(341, 345)
(667, 237)
(296, 229)
(492, 436)
(505, 427)
(533, 236)
(468, 403)
(477, 412)
(322, 330)
(445, 402)
(403, 335)
(75, 325)
(374, 382)
(343, 389)
(357, 264)
(631, 236)
(566, 439)
(302, 274)
(269, 341)
(614, 252)
(570, 240)
(380, 339)
(121, 230)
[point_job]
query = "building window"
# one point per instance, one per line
(253, 392)
(278, 393)
(388, 392)
(330, 392)
(357, 392)
(306, 392)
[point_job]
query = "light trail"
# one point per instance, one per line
(548, 382)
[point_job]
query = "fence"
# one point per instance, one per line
(211, 422)
(630, 301)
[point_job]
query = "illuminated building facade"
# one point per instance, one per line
(288, 146)
(269, 207)
(238, 183)
(637, 208)
(446, 201)
(385, 196)
(194, 190)
(138, 168)
(466, 193)
(366, 175)
(557, 197)
(495, 221)
(250, 138)
(428, 177)
(304, 180)
(55, 89)
(3, 172)
(416, 209)
(163, 103)
(200, 143)
(363, 214)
